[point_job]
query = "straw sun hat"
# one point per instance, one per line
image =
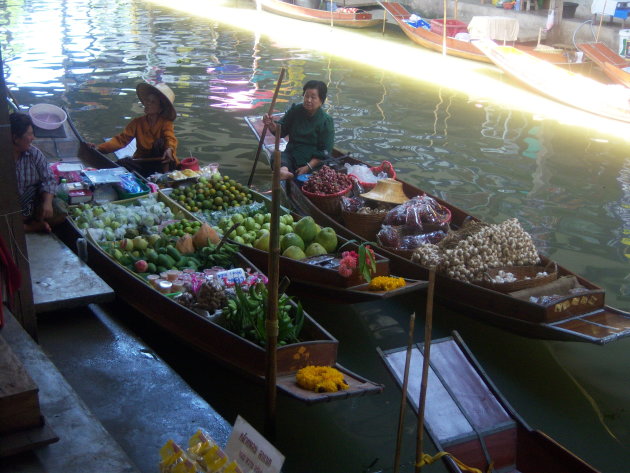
(164, 92)
(387, 190)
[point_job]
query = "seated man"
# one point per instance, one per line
(36, 182)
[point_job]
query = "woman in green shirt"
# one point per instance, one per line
(310, 131)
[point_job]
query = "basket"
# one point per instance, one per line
(328, 203)
(364, 225)
(520, 272)
(385, 166)
(452, 27)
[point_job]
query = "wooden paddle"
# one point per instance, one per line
(403, 402)
(264, 131)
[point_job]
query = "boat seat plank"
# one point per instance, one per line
(450, 413)
(599, 324)
(443, 417)
(469, 389)
(395, 9)
(60, 280)
(601, 54)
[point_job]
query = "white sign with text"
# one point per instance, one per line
(252, 451)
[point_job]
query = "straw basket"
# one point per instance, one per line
(520, 272)
(364, 225)
(328, 203)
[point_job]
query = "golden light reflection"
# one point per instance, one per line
(481, 82)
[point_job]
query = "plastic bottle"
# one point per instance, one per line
(62, 191)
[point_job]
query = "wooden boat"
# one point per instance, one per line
(569, 318)
(466, 416)
(611, 101)
(318, 346)
(318, 276)
(617, 68)
(350, 19)
(455, 47)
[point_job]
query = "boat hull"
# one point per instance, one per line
(466, 416)
(349, 20)
(569, 319)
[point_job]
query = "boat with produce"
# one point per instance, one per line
(316, 260)
(616, 67)
(468, 418)
(342, 16)
(433, 38)
(205, 293)
(561, 85)
(577, 313)
(184, 288)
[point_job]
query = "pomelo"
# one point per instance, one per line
(291, 239)
(315, 249)
(294, 252)
(327, 238)
(306, 228)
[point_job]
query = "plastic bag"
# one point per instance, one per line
(352, 204)
(389, 236)
(410, 242)
(361, 171)
(129, 184)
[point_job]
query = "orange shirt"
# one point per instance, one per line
(145, 135)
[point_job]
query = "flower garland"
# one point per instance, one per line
(321, 379)
(386, 283)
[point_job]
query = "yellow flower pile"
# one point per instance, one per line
(386, 283)
(321, 379)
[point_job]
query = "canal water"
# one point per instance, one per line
(566, 178)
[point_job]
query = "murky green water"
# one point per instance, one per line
(569, 187)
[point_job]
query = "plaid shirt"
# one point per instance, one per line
(33, 177)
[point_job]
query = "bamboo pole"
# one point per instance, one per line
(601, 20)
(403, 401)
(261, 142)
(428, 327)
(444, 31)
(272, 302)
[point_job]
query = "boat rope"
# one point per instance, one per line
(427, 459)
(482, 442)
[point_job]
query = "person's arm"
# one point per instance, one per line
(47, 207)
(119, 141)
(171, 143)
(325, 143)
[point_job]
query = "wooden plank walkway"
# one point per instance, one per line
(60, 280)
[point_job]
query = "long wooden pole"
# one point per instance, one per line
(403, 401)
(272, 302)
(428, 327)
(444, 31)
(261, 142)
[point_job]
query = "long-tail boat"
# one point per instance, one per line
(606, 100)
(348, 17)
(316, 345)
(571, 318)
(616, 67)
(467, 417)
(455, 47)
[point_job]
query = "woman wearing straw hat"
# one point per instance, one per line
(156, 144)
(311, 131)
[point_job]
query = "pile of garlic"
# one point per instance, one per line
(493, 246)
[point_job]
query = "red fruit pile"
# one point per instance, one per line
(327, 181)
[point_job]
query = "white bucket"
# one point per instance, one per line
(624, 43)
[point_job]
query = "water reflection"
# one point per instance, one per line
(568, 188)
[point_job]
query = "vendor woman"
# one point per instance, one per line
(310, 131)
(156, 144)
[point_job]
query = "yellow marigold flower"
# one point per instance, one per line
(386, 283)
(321, 379)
